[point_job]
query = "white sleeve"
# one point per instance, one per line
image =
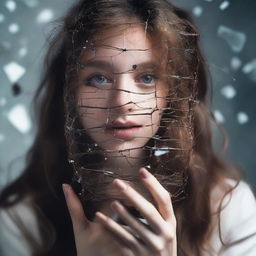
(12, 241)
(237, 224)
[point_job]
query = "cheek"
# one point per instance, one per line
(161, 104)
(161, 95)
(90, 106)
(93, 99)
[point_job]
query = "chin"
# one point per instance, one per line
(120, 145)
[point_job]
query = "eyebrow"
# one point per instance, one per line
(109, 66)
(96, 64)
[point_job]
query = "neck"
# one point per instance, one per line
(127, 162)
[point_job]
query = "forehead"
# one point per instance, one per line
(125, 37)
(123, 47)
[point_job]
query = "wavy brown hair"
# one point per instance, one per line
(47, 161)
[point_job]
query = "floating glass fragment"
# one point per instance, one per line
(2, 18)
(2, 137)
(224, 5)
(19, 118)
(161, 151)
(14, 71)
(31, 3)
(197, 11)
(228, 91)
(10, 5)
(235, 39)
(235, 63)
(5, 45)
(219, 116)
(45, 16)
(250, 69)
(22, 52)
(2, 101)
(16, 89)
(242, 118)
(77, 177)
(13, 28)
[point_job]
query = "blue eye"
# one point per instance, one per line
(148, 79)
(97, 80)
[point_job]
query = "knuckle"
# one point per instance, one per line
(169, 236)
(166, 197)
(150, 214)
(159, 246)
(130, 242)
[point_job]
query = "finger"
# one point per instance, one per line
(79, 220)
(123, 234)
(149, 212)
(151, 240)
(159, 193)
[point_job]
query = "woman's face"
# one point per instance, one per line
(121, 94)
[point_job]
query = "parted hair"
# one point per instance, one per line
(47, 160)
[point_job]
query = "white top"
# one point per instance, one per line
(238, 221)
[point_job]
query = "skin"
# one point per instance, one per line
(110, 90)
(104, 236)
(127, 88)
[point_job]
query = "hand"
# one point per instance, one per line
(160, 239)
(91, 238)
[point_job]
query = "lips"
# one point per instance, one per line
(121, 130)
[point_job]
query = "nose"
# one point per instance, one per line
(121, 100)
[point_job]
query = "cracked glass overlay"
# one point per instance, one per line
(165, 148)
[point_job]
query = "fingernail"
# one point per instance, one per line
(120, 184)
(65, 190)
(115, 205)
(143, 173)
(99, 216)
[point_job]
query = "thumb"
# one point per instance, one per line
(79, 220)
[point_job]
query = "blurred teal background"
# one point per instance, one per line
(228, 41)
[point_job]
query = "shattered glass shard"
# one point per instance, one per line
(5, 46)
(19, 118)
(161, 151)
(224, 5)
(13, 28)
(219, 116)
(31, 3)
(235, 39)
(250, 69)
(45, 16)
(16, 89)
(11, 5)
(228, 91)
(2, 18)
(2, 101)
(22, 52)
(197, 11)
(235, 63)
(242, 118)
(14, 71)
(2, 137)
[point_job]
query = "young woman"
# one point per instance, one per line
(124, 119)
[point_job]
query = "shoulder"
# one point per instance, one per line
(238, 212)
(234, 222)
(12, 220)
